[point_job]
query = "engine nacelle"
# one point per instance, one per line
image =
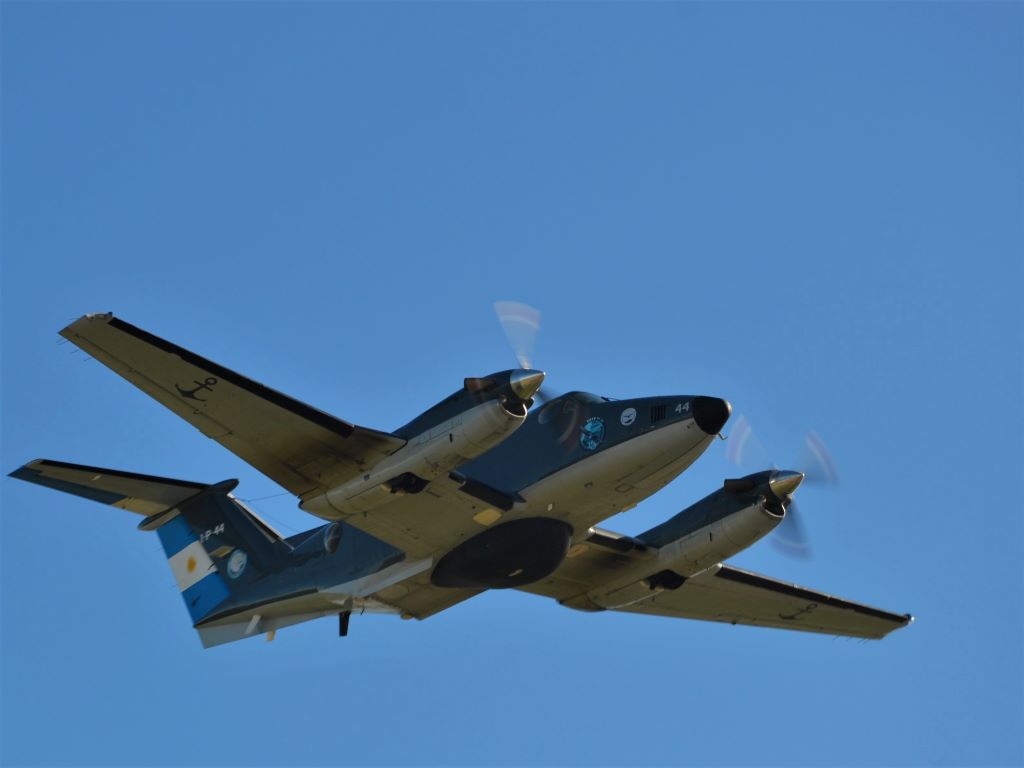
(425, 457)
(719, 540)
(694, 542)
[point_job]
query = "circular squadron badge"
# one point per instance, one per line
(237, 563)
(592, 433)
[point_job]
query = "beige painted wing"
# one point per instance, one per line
(300, 447)
(730, 595)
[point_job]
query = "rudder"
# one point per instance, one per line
(201, 584)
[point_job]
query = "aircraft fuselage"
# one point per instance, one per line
(577, 460)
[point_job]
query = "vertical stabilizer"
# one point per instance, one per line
(201, 584)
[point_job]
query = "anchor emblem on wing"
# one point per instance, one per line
(797, 614)
(200, 385)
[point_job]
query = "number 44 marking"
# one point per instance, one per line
(683, 407)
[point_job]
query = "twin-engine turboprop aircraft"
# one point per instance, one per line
(479, 492)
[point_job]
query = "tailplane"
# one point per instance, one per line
(236, 574)
(215, 546)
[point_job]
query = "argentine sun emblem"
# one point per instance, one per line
(592, 433)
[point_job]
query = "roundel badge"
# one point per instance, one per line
(627, 417)
(237, 563)
(592, 433)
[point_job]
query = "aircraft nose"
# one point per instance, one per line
(525, 382)
(711, 413)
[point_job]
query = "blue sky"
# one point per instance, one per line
(813, 210)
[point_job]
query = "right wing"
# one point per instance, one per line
(301, 448)
(737, 596)
(725, 594)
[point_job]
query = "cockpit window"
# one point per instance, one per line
(569, 404)
(548, 412)
(586, 397)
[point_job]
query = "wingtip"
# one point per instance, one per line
(22, 473)
(19, 472)
(104, 317)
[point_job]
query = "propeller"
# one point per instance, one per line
(521, 323)
(815, 465)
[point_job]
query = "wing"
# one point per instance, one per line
(304, 449)
(301, 448)
(725, 594)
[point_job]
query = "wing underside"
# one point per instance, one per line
(737, 596)
(724, 594)
(298, 446)
(303, 449)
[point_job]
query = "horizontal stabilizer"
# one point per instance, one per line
(142, 494)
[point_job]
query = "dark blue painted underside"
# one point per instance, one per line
(96, 494)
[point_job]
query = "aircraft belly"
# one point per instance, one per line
(580, 495)
(512, 554)
(269, 617)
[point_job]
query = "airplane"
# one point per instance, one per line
(481, 491)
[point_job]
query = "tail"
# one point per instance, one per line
(215, 547)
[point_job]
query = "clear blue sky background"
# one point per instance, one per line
(814, 210)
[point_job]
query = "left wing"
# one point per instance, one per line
(724, 593)
(300, 447)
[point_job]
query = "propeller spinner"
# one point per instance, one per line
(525, 382)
